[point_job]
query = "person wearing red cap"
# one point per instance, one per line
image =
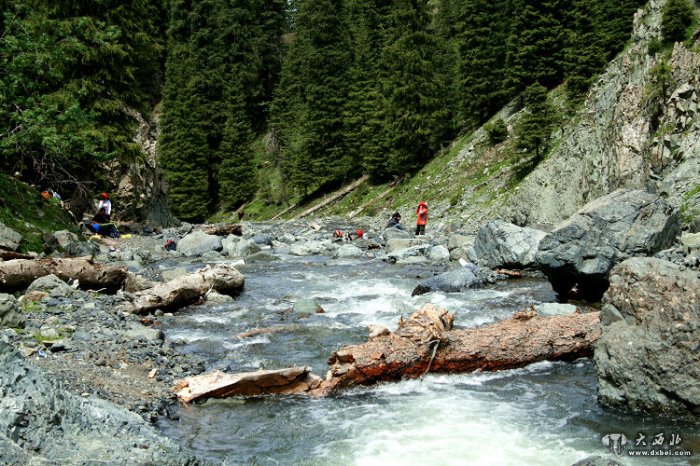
(422, 218)
(105, 204)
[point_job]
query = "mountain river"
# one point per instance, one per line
(543, 414)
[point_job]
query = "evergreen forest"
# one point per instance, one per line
(332, 89)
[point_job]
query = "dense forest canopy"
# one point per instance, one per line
(342, 87)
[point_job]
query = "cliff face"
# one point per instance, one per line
(633, 132)
(142, 192)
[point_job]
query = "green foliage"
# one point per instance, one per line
(496, 131)
(69, 71)
(23, 210)
(534, 131)
(677, 17)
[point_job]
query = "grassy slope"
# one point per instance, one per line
(23, 210)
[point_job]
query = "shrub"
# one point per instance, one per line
(496, 131)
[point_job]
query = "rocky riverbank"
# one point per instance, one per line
(85, 346)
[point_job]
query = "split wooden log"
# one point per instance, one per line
(218, 384)
(426, 343)
(224, 229)
(190, 288)
(18, 274)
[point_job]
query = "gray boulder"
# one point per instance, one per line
(244, 248)
(393, 233)
(439, 253)
(650, 325)
(403, 254)
(65, 238)
(502, 244)
(396, 244)
(578, 255)
(310, 248)
(456, 280)
(10, 314)
(197, 243)
(263, 238)
(53, 285)
(9, 238)
(348, 251)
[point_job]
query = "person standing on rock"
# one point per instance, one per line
(422, 218)
(105, 204)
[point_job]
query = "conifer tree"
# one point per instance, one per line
(536, 44)
(416, 116)
(677, 17)
(584, 52)
(536, 126)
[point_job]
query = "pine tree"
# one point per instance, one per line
(677, 17)
(312, 96)
(237, 182)
(536, 126)
(417, 118)
(585, 54)
(482, 32)
(536, 44)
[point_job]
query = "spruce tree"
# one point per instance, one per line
(534, 131)
(677, 17)
(584, 53)
(417, 117)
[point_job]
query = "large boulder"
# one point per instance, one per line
(578, 255)
(396, 244)
(10, 314)
(502, 244)
(349, 251)
(393, 233)
(52, 285)
(646, 356)
(9, 238)
(244, 248)
(198, 243)
(456, 280)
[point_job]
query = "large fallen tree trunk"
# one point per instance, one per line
(426, 343)
(224, 229)
(218, 384)
(18, 274)
(187, 289)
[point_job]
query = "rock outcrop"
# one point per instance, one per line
(40, 423)
(502, 244)
(647, 354)
(578, 255)
(9, 238)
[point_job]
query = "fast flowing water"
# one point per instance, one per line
(544, 414)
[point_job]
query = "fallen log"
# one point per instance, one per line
(18, 274)
(219, 384)
(426, 343)
(224, 229)
(337, 195)
(10, 255)
(190, 288)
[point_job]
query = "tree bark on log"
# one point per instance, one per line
(187, 289)
(18, 274)
(224, 229)
(426, 343)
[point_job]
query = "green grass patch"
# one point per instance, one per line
(23, 210)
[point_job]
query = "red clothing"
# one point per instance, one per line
(422, 213)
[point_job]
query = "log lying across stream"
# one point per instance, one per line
(426, 342)
(18, 274)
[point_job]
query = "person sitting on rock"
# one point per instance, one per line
(395, 222)
(105, 204)
(100, 225)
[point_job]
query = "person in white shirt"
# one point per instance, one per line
(105, 204)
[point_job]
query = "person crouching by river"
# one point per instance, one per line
(394, 222)
(421, 218)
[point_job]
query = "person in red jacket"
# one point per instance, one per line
(422, 218)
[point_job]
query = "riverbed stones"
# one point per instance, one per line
(41, 423)
(650, 333)
(578, 255)
(197, 243)
(51, 284)
(9, 238)
(10, 314)
(501, 244)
